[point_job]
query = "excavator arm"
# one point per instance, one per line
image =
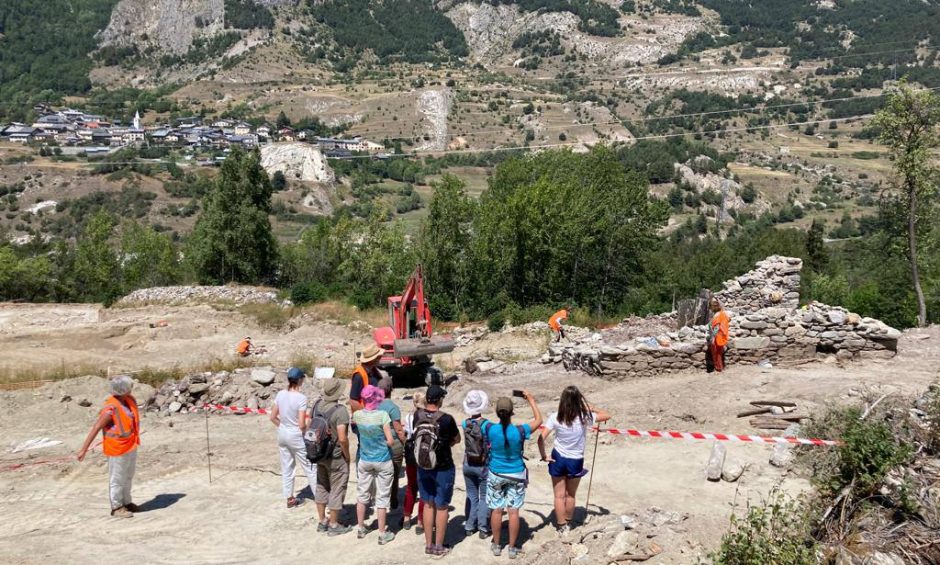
(410, 319)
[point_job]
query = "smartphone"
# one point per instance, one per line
(518, 394)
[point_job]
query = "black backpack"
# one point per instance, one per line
(476, 447)
(427, 439)
(319, 439)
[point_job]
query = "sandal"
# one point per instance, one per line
(293, 502)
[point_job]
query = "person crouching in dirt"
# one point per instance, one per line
(119, 421)
(717, 338)
(244, 348)
(556, 321)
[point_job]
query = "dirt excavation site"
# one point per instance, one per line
(649, 497)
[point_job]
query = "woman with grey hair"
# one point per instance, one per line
(119, 422)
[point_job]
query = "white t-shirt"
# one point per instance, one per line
(289, 404)
(570, 440)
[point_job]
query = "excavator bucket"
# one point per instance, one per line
(417, 347)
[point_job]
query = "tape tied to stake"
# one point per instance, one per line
(235, 409)
(699, 436)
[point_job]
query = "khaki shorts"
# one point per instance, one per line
(378, 476)
(332, 477)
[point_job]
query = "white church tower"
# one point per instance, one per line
(137, 119)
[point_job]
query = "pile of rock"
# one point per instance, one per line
(766, 324)
(774, 282)
(246, 388)
(188, 295)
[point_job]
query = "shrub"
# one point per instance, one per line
(777, 532)
(267, 315)
(496, 321)
(307, 292)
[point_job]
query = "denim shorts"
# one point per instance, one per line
(562, 467)
(437, 487)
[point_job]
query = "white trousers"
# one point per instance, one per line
(120, 478)
(290, 443)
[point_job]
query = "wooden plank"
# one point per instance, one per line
(754, 412)
(780, 403)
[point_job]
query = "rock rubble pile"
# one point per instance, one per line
(246, 388)
(189, 295)
(766, 324)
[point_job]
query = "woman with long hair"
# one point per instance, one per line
(508, 477)
(571, 424)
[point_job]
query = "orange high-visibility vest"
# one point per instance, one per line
(123, 435)
(722, 323)
(555, 321)
(243, 346)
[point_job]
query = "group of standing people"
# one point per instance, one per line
(420, 444)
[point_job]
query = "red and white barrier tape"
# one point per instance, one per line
(720, 437)
(235, 409)
(691, 436)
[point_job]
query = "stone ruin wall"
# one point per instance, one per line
(766, 323)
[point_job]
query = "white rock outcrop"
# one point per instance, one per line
(169, 26)
(298, 161)
(434, 106)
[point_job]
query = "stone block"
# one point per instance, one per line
(746, 343)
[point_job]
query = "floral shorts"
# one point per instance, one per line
(503, 493)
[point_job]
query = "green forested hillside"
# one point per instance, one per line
(44, 49)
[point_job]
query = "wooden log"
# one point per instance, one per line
(769, 424)
(754, 412)
(780, 403)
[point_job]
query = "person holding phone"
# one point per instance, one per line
(508, 477)
(571, 424)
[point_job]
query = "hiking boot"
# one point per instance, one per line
(339, 530)
(132, 507)
(406, 524)
(496, 549)
(469, 533)
(419, 529)
(515, 552)
(362, 532)
(122, 512)
(386, 537)
(485, 534)
(323, 527)
(293, 502)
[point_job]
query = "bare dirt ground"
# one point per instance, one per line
(58, 510)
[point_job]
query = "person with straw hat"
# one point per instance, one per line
(333, 471)
(475, 463)
(367, 373)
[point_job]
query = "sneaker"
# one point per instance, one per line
(429, 550)
(132, 507)
(323, 527)
(293, 502)
(470, 532)
(362, 532)
(563, 530)
(122, 512)
(406, 524)
(338, 530)
(419, 529)
(386, 537)
(440, 551)
(515, 552)
(496, 549)
(485, 534)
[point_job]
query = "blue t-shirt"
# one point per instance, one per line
(392, 409)
(506, 460)
(370, 425)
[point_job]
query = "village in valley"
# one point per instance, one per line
(78, 133)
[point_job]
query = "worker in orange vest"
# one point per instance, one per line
(718, 332)
(119, 422)
(555, 323)
(367, 373)
(244, 347)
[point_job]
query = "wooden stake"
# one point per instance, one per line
(208, 452)
(587, 503)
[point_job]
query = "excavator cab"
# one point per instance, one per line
(408, 340)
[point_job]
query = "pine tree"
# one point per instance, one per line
(815, 247)
(232, 240)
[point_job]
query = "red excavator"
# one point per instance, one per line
(408, 342)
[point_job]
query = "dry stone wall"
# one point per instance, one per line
(766, 323)
(188, 295)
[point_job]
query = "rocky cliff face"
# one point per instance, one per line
(490, 31)
(298, 161)
(169, 26)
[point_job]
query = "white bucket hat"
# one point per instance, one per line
(476, 402)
